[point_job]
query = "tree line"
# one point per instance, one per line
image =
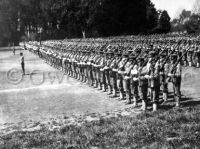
(188, 21)
(55, 19)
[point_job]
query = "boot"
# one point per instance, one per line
(114, 93)
(85, 79)
(92, 82)
(96, 84)
(128, 98)
(110, 90)
(104, 88)
(165, 97)
(135, 104)
(100, 86)
(155, 107)
(144, 106)
(121, 96)
(198, 65)
(177, 101)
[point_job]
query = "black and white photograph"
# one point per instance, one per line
(99, 74)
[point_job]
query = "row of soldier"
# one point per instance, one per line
(135, 74)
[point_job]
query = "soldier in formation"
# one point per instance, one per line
(135, 70)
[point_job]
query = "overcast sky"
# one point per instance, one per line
(174, 7)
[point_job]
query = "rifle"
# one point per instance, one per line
(173, 69)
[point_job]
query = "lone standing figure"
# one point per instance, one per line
(22, 63)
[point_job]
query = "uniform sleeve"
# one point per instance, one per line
(178, 70)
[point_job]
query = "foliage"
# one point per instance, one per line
(188, 21)
(196, 7)
(193, 24)
(76, 18)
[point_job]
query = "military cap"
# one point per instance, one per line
(163, 55)
(125, 54)
(132, 56)
(173, 56)
(101, 52)
(109, 52)
(119, 54)
(141, 59)
(130, 51)
(152, 54)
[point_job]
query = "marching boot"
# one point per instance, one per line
(92, 82)
(100, 86)
(114, 93)
(85, 79)
(155, 107)
(82, 78)
(144, 106)
(96, 84)
(78, 77)
(135, 104)
(128, 98)
(121, 96)
(104, 88)
(177, 101)
(165, 97)
(110, 90)
(198, 65)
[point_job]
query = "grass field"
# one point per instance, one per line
(161, 130)
(36, 107)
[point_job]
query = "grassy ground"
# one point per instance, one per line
(175, 128)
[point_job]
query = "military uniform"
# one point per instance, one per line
(134, 84)
(113, 73)
(142, 83)
(99, 64)
(127, 79)
(155, 84)
(107, 69)
(164, 70)
(175, 72)
(121, 70)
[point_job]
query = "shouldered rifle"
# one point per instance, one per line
(178, 61)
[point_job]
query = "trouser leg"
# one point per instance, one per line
(120, 87)
(134, 89)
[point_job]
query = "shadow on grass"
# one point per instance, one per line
(185, 102)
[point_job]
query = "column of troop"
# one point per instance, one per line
(137, 69)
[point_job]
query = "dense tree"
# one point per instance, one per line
(79, 18)
(187, 22)
(193, 24)
(196, 7)
(164, 22)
